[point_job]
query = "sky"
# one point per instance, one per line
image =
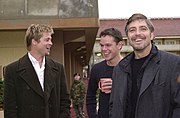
(117, 9)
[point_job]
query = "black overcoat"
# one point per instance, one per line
(159, 95)
(23, 94)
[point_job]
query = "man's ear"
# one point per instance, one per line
(152, 35)
(120, 44)
(34, 42)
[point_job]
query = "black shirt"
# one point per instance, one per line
(134, 85)
(100, 70)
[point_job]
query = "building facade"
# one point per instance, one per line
(75, 24)
(167, 36)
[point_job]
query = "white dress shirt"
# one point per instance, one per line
(39, 70)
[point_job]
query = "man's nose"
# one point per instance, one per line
(103, 48)
(50, 42)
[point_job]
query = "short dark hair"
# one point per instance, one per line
(139, 16)
(76, 74)
(112, 32)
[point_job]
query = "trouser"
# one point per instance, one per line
(78, 108)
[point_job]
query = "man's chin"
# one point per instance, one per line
(47, 54)
(107, 59)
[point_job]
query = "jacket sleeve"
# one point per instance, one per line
(10, 103)
(64, 97)
(71, 91)
(111, 99)
(83, 91)
(176, 92)
(112, 95)
(91, 95)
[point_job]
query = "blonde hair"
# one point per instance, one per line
(35, 31)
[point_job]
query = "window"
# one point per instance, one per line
(158, 42)
(170, 42)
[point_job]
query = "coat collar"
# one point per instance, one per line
(151, 66)
(28, 74)
(125, 62)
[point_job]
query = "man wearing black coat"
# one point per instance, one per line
(146, 83)
(35, 85)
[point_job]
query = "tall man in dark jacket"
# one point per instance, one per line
(146, 83)
(35, 85)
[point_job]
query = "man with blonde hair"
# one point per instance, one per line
(35, 85)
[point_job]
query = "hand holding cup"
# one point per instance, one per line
(105, 85)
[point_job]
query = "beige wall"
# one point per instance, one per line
(12, 46)
(57, 50)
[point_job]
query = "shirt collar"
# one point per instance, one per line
(34, 61)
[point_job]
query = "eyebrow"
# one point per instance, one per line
(139, 26)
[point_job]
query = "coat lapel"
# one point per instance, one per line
(123, 78)
(123, 88)
(50, 75)
(149, 75)
(28, 74)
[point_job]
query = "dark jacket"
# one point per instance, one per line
(24, 97)
(159, 95)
